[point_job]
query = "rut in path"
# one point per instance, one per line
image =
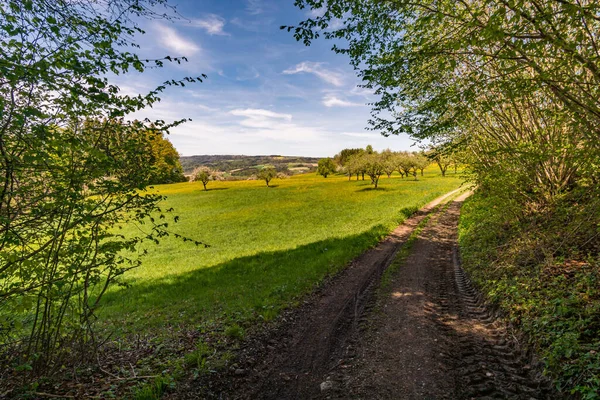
(433, 337)
(429, 335)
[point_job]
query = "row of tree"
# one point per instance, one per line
(205, 174)
(360, 162)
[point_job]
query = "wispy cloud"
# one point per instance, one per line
(333, 101)
(259, 118)
(254, 7)
(362, 135)
(272, 125)
(212, 24)
(316, 12)
(170, 39)
(316, 68)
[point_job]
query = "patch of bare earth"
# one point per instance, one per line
(425, 335)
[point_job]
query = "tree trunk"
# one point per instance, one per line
(204, 185)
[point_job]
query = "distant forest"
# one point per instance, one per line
(245, 166)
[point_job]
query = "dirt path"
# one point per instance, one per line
(424, 336)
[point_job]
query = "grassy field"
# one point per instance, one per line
(268, 247)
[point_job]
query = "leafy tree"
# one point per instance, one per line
(405, 162)
(374, 166)
(165, 159)
(369, 149)
(325, 167)
(387, 157)
(205, 175)
(439, 154)
(267, 174)
(421, 162)
(465, 73)
(343, 156)
(352, 166)
(73, 169)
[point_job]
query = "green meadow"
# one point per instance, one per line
(268, 246)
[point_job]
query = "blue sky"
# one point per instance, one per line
(265, 92)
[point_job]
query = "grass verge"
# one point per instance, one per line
(542, 269)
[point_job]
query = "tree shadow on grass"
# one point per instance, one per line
(240, 290)
(369, 189)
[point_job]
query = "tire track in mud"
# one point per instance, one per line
(490, 363)
(434, 337)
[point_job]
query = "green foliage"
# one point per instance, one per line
(325, 167)
(166, 167)
(73, 170)
(343, 156)
(544, 273)
(197, 359)
(235, 331)
(267, 174)
(205, 175)
(153, 390)
(511, 87)
(374, 166)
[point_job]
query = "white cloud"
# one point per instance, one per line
(170, 39)
(316, 12)
(361, 91)
(257, 113)
(316, 68)
(332, 101)
(362, 135)
(335, 24)
(260, 119)
(265, 124)
(212, 24)
(254, 7)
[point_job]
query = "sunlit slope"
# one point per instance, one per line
(267, 245)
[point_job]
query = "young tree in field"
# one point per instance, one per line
(439, 156)
(205, 175)
(74, 169)
(374, 167)
(398, 162)
(406, 163)
(351, 166)
(267, 174)
(387, 157)
(325, 167)
(421, 162)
